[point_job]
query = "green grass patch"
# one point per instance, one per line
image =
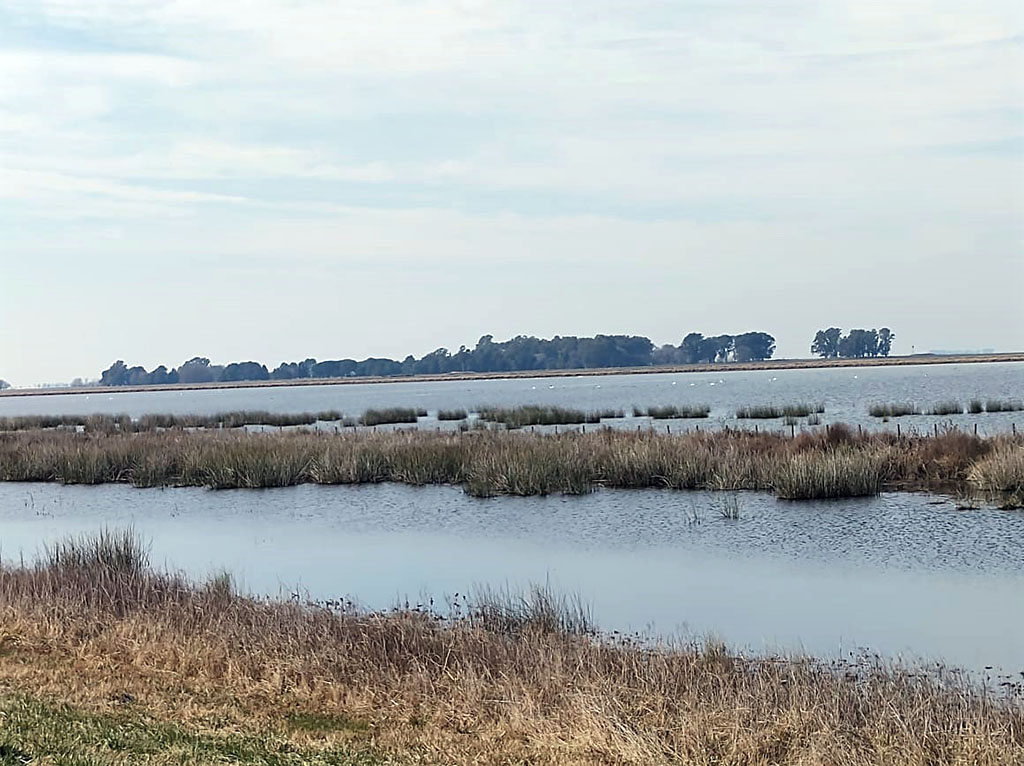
(33, 731)
(323, 723)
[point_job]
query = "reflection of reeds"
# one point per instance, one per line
(826, 463)
(499, 678)
(674, 411)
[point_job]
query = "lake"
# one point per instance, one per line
(845, 392)
(906, 575)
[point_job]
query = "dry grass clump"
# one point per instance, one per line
(1004, 405)
(839, 473)
(391, 415)
(510, 682)
(833, 462)
(1001, 473)
(946, 408)
(542, 415)
(771, 411)
(452, 414)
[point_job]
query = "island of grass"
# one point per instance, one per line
(828, 463)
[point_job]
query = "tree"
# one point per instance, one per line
(4, 385)
(859, 344)
(826, 343)
(689, 349)
(237, 371)
(115, 375)
(753, 346)
(195, 370)
(885, 339)
(715, 349)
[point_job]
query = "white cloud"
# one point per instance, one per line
(731, 138)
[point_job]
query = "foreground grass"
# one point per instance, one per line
(104, 661)
(36, 730)
(835, 462)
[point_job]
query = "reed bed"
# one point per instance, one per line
(539, 415)
(391, 415)
(495, 680)
(771, 411)
(452, 414)
(831, 462)
(234, 419)
(892, 409)
(946, 408)
(1001, 473)
(1004, 405)
(674, 411)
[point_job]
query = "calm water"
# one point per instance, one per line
(906, 575)
(846, 394)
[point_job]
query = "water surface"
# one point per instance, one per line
(903, 574)
(845, 392)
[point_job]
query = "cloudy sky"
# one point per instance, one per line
(275, 179)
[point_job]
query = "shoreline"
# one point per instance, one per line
(776, 364)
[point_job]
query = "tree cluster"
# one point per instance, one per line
(832, 344)
(522, 353)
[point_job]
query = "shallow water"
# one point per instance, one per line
(903, 574)
(845, 392)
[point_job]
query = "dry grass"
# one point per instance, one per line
(493, 687)
(543, 415)
(833, 462)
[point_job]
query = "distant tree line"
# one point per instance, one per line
(4, 384)
(521, 353)
(832, 344)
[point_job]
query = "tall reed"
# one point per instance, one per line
(827, 463)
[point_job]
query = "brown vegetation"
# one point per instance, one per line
(832, 462)
(93, 626)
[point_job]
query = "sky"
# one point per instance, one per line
(272, 180)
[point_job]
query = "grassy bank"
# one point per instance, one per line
(105, 661)
(834, 462)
